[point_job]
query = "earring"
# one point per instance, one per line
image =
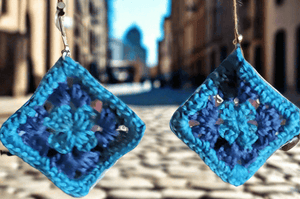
(236, 120)
(72, 129)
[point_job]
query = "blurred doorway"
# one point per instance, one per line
(30, 77)
(279, 61)
(298, 58)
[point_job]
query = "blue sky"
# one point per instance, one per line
(146, 14)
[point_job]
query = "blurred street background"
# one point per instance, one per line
(152, 55)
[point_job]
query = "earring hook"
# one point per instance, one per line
(59, 24)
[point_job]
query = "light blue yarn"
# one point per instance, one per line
(267, 95)
(57, 74)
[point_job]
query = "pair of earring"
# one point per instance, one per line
(72, 129)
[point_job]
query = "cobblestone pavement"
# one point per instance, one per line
(161, 166)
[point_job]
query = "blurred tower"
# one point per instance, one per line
(134, 51)
(91, 34)
(31, 43)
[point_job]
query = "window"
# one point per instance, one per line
(258, 21)
(76, 53)
(92, 42)
(279, 61)
(258, 59)
(245, 47)
(213, 61)
(279, 2)
(78, 6)
(223, 54)
(3, 6)
(298, 57)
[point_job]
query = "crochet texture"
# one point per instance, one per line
(235, 120)
(72, 129)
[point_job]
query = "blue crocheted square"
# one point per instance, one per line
(72, 129)
(235, 120)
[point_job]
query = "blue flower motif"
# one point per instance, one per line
(78, 96)
(60, 95)
(207, 129)
(236, 126)
(268, 120)
(107, 122)
(33, 132)
(72, 128)
(76, 163)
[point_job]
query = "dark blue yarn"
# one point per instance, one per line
(208, 116)
(79, 96)
(35, 134)
(107, 122)
(60, 95)
(245, 92)
(230, 154)
(268, 125)
(74, 162)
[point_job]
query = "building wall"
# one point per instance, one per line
(270, 30)
(285, 17)
(188, 40)
(31, 43)
(165, 51)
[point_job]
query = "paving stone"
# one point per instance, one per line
(230, 195)
(9, 162)
(3, 174)
(283, 196)
(275, 176)
(151, 155)
(296, 158)
(182, 193)
(171, 182)
(134, 194)
(207, 176)
(269, 189)
(126, 183)
(253, 180)
(295, 180)
(182, 155)
(5, 195)
(112, 173)
(154, 163)
(294, 151)
(284, 165)
(148, 172)
(36, 187)
(180, 171)
(199, 184)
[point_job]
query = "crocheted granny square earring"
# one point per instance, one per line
(72, 129)
(236, 120)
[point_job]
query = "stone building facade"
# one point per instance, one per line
(270, 29)
(165, 52)
(31, 43)
(184, 43)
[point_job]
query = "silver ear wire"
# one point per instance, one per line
(59, 24)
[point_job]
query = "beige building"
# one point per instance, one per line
(31, 43)
(271, 38)
(185, 43)
(165, 54)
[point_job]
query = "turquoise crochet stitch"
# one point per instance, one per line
(72, 129)
(235, 120)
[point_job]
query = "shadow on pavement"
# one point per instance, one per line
(161, 96)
